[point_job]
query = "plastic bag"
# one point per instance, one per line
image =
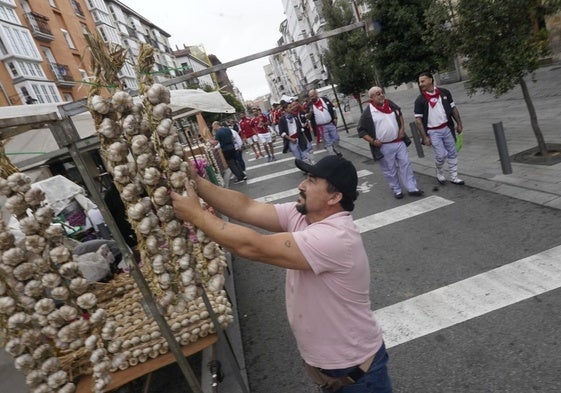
(459, 141)
(95, 266)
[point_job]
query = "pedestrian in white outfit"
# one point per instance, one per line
(382, 126)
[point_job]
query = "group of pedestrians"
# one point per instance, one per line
(437, 120)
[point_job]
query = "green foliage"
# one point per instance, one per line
(349, 57)
(500, 42)
(404, 45)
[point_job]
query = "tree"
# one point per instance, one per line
(402, 47)
(349, 57)
(502, 45)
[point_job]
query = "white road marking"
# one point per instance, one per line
(285, 194)
(399, 213)
(470, 298)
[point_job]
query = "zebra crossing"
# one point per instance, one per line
(454, 303)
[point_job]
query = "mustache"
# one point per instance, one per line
(302, 194)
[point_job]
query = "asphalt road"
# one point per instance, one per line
(513, 348)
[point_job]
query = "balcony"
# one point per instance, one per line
(63, 78)
(77, 8)
(39, 26)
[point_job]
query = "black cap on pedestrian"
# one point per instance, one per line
(337, 171)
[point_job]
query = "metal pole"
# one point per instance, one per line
(339, 106)
(500, 139)
(417, 140)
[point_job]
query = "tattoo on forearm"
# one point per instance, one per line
(223, 226)
(287, 244)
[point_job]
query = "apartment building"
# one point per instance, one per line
(42, 51)
(193, 59)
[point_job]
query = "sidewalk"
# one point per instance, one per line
(479, 163)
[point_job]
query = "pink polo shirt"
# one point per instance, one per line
(328, 307)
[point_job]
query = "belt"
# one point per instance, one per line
(357, 372)
(394, 141)
(438, 127)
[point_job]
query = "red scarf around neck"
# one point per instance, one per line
(432, 98)
(385, 108)
(318, 104)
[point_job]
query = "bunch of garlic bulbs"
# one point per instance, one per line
(43, 292)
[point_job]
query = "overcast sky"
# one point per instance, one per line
(226, 28)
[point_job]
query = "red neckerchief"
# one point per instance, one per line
(385, 108)
(432, 98)
(318, 104)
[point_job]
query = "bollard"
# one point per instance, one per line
(502, 147)
(417, 139)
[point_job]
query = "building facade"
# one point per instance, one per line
(190, 59)
(42, 51)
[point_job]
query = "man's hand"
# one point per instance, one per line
(186, 206)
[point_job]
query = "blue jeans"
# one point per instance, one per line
(375, 380)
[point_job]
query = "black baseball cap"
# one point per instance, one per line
(337, 171)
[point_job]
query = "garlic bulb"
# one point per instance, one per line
(166, 213)
(190, 292)
(174, 163)
(164, 128)
(216, 283)
(42, 266)
(45, 306)
(60, 254)
(57, 379)
(34, 288)
(209, 250)
(35, 378)
(19, 182)
(100, 105)
(117, 151)
(24, 271)
(35, 243)
(69, 270)
(51, 280)
(107, 128)
(13, 257)
(152, 176)
(54, 233)
(78, 285)
(24, 362)
(16, 205)
(130, 193)
(161, 196)
(34, 197)
(178, 179)
(137, 211)
(123, 174)
(87, 300)
(68, 313)
(173, 228)
(5, 188)
(98, 316)
(130, 125)
(7, 305)
(29, 226)
(144, 161)
(122, 101)
(18, 320)
(68, 388)
(169, 143)
(160, 111)
(91, 341)
(179, 246)
(42, 352)
(157, 94)
(44, 215)
(7, 240)
(187, 277)
(184, 262)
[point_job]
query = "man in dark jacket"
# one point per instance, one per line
(292, 132)
(223, 137)
(435, 113)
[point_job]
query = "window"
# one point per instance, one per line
(84, 74)
(68, 97)
(8, 14)
(20, 41)
(45, 93)
(3, 49)
(68, 39)
(13, 70)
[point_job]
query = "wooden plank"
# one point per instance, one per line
(122, 377)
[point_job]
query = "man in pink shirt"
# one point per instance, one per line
(328, 273)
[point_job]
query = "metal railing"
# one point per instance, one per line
(38, 23)
(77, 8)
(62, 72)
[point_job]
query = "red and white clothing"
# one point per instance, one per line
(260, 124)
(321, 113)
